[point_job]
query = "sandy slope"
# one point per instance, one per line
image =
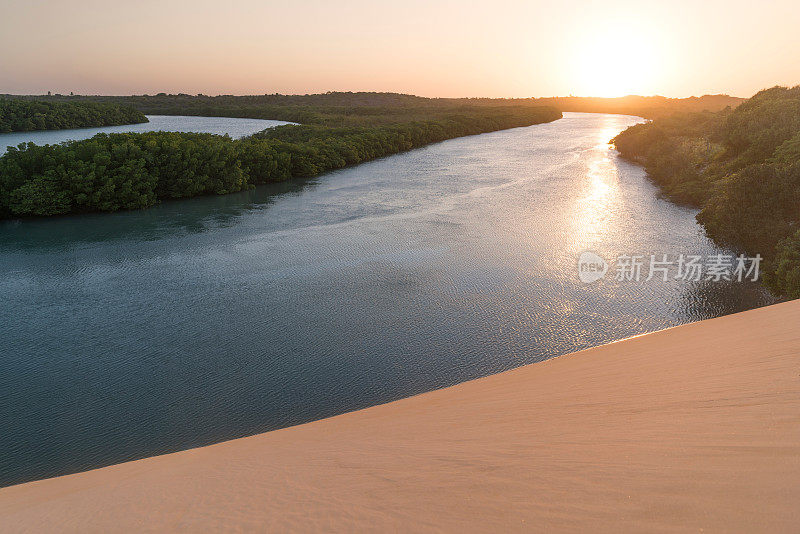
(689, 429)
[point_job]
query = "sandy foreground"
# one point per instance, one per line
(696, 428)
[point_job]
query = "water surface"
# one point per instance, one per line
(138, 333)
(235, 128)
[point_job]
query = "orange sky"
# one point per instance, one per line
(430, 48)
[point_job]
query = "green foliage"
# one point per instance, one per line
(785, 276)
(110, 172)
(760, 125)
(20, 115)
(741, 167)
(788, 153)
(349, 109)
(754, 208)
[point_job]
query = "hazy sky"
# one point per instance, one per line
(430, 48)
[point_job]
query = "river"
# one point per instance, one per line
(138, 333)
(235, 128)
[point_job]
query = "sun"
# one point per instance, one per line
(615, 61)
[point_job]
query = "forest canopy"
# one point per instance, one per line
(110, 172)
(124, 171)
(343, 108)
(741, 167)
(22, 115)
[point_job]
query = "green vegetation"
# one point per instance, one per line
(741, 168)
(126, 171)
(345, 108)
(649, 107)
(22, 115)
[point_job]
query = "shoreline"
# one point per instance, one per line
(693, 427)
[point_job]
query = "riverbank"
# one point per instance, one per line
(138, 170)
(691, 428)
(737, 166)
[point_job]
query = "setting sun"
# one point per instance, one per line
(615, 61)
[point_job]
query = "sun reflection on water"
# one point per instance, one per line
(600, 203)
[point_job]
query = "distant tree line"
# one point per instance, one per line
(22, 115)
(111, 172)
(649, 107)
(348, 108)
(741, 168)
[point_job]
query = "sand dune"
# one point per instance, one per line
(695, 428)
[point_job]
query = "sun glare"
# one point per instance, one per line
(615, 61)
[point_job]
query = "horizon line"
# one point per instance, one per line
(164, 93)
